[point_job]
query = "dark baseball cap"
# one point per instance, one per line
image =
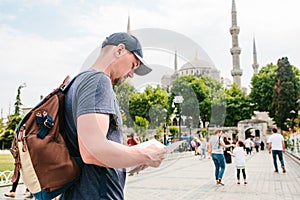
(133, 45)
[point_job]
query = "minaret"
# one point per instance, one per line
(196, 56)
(255, 64)
(175, 62)
(235, 51)
(128, 25)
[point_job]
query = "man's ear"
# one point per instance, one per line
(120, 50)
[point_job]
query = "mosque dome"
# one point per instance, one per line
(195, 64)
(199, 67)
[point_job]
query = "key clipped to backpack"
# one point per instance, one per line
(39, 148)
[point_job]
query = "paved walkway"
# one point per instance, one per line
(190, 178)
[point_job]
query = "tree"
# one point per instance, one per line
(174, 130)
(286, 92)
(18, 102)
(263, 88)
(123, 94)
(186, 87)
(216, 101)
(140, 126)
(204, 99)
(13, 120)
(149, 104)
(2, 129)
(157, 116)
(238, 106)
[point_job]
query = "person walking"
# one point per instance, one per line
(203, 147)
(249, 145)
(227, 150)
(239, 155)
(12, 192)
(262, 146)
(276, 145)
(257, 144)
(132, 141)
(215, 149)
(94, 123)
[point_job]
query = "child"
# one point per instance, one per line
(239, 160)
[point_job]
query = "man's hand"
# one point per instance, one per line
(137, 169)
(156, 155)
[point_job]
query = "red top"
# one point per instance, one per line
(132, 141)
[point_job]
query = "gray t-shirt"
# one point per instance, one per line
(215, 142)
(92, 92)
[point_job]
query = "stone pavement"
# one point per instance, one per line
(191, 178)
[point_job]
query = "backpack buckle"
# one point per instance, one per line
(49, 124)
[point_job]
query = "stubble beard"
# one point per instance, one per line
(119, 81)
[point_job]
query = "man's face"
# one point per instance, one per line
(125, 66)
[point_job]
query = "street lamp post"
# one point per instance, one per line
(165, 126)
(190, 122)
(293, 113)
(177, 101)
(298, 114)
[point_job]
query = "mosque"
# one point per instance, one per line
(200, 65)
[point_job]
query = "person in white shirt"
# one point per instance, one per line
(239, 155)
(248, 144)
(203, 147)
(276, 144)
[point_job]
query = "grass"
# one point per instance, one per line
(6, 162)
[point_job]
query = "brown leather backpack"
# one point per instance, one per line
(39, 148)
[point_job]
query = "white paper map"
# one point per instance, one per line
(170, 148)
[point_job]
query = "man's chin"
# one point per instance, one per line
(118, 81)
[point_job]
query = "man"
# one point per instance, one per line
(94, 125)
(276, 144)
(248, 145)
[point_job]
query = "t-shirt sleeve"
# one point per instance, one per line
(95, 95)
(234, 151)
(269, 140)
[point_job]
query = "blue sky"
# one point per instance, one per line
(42, 41)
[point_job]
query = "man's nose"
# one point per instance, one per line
(131, 73)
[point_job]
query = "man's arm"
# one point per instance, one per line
(96, 149)
(269, 146)
(136, 139)
(230, 153)
(209, 150)
(226, 145)
(283, 146)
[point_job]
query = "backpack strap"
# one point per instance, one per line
(14, 150)
(44, 119)
(68, 82)
(46, 123)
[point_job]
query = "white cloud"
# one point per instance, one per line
(42, 61)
